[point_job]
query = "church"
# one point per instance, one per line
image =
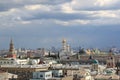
(66, 51)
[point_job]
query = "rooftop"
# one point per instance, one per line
(101, 76)
(26, 66)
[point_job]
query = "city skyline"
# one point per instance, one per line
(44, 23)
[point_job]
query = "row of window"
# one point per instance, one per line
(6, 62)
(46, 75)
(43, 76)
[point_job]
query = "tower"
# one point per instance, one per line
(110, 60)
(118, 67)
(11, 48)
(68, 48)
(11, 53)
(64, 45)
(95, 65)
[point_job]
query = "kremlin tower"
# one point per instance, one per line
(11, 53)
(110, 60)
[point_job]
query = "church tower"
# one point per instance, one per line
(11, 53)
(64, 48)
(110, 60)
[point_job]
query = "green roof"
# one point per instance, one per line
(95, 61)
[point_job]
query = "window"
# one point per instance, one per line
(34, 76)
(41, 75)
(48, 75)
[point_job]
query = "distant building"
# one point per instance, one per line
(111, 61)
(66, 51)
(11, 53)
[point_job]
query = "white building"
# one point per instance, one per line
(66, 50)
(9, 61)
(57, 73)
(42, 75)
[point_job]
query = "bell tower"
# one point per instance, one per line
(64, 45)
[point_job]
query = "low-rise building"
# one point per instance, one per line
(42, 75)
(106, 77)
(57, 73)
(50, 75)
(24, 72)
(7, 76)
(10, 61)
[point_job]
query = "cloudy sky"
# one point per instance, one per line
(44, 23)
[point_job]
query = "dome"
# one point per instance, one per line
(34, 62)
(64, 41)
(95, 61)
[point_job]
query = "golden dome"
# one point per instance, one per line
(64, 41)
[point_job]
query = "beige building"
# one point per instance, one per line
(10, 61)
(81, 74)
(7, 76)
(107, 77)
(24, 72)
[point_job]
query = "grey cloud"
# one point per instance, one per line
(93, 8)
(94, 5)
(81, 5)
(8, 4)
(33, 35)
(59, 16)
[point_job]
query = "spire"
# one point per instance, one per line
(11, 42)
(11, 48)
